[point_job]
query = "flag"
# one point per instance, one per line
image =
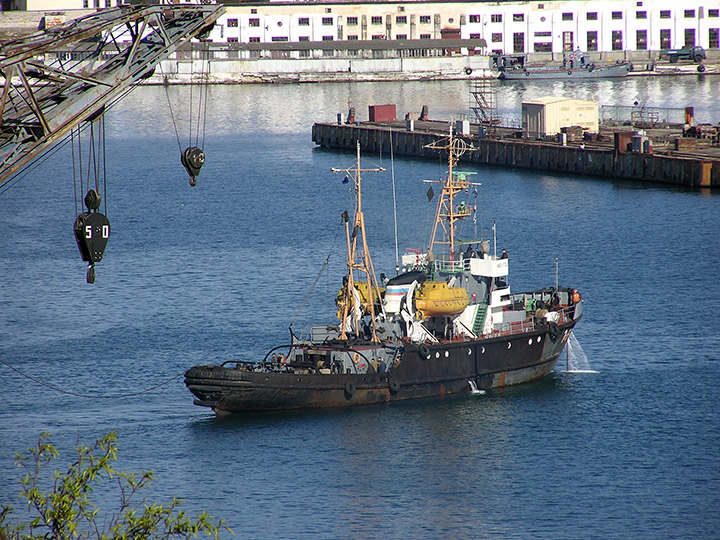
(430, 193)
(346, 179)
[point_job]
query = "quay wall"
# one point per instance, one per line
(325, 69)
(674, 169)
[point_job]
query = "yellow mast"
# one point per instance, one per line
(447, 214)
(358, 257)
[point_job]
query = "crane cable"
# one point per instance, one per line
(89, 396)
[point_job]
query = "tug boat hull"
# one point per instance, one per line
(426, 371)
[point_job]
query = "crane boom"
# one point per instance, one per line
(66, 74)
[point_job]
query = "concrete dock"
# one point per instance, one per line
(695, 163)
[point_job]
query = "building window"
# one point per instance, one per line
(353, 38)
(375, 19)
(304, 21)
(401, 9)
(253, 11)
(567, 16)
(424, 36)
(327, 21)
(714, 38)
(328, 10)
(713, 13)
(473, 18)
(352, 21)
(519, 42)
(401, 19)
(378, 36)
(541, 6)
(617, 41)
(641, 40)
(542, 47)
(543, 34)
(592, 16)
(254, 23)
(401, 36)
(254, 40)
(232, 23)
(495, 18)
(616, 15)
(689, 37)
(279, 38)
(475, 36)
(641, 14)
(424, 19)
(496, 37)
(327, 38)
(665, 39)
(232, 40)
(304, 38)
(689, 13)
(85, 3)
(592, 41)
(665, 14)
(518, 17)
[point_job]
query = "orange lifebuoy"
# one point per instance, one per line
(576, 296)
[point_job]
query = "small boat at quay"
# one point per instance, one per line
(447, 323)
(574, 66)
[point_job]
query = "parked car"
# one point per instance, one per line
(696, 54)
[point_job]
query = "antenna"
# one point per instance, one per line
(392, 175)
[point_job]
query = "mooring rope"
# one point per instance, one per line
(88, 396)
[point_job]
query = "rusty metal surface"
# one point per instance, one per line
(490, 363)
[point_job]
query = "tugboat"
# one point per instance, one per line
(447, 324)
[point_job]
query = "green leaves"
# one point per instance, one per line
(66, 513)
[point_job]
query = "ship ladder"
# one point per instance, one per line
(479, 319)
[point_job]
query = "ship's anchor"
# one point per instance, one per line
(92, 231)
(192, 159)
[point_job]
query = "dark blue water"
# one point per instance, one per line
(217, 272)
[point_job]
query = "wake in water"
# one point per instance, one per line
(575, 360)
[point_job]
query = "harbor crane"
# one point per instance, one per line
(57, 78)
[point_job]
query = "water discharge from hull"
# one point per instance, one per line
(576, 359)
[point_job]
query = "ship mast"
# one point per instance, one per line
(358, 256)
(447, 214)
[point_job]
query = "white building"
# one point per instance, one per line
(615, 27)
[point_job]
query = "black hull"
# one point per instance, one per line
(439, 369)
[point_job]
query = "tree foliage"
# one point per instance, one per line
(66, 512)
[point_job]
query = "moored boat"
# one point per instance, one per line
(446, 324)
(575, 65)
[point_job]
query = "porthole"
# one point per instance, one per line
(539, 339)
(482, 350)
(447, 353)
(437, 354)
(469, 352)
(530, 341)
(509, 345)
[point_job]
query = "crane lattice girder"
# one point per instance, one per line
(57, 78)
